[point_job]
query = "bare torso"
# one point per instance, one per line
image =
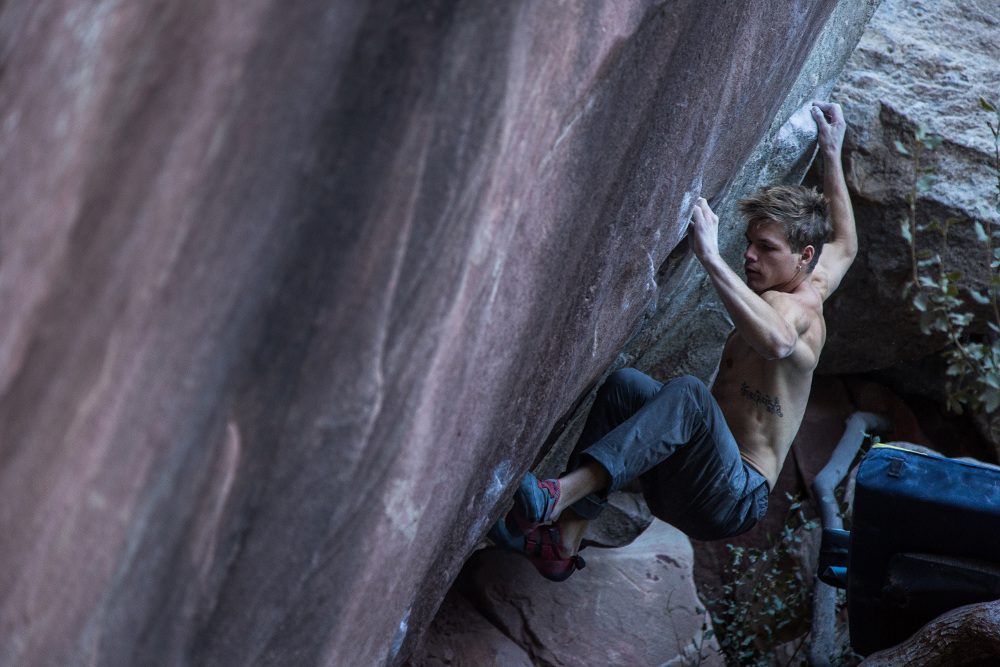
(764, 400)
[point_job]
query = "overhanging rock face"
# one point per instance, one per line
(293, 291)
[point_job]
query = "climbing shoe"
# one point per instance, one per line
(541, 546)
(534, 502)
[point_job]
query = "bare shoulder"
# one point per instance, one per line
(801, 307)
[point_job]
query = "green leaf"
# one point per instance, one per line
(986, 105)
(980, 232)
(920, 301)
(991, 401)
(904, 229)
(926, 181)
(979, 298)
(900, 148)
(960, 319)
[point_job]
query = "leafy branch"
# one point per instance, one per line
(973, 361)
(763, 596)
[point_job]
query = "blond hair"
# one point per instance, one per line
(800, 211)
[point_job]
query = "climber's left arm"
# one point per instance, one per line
(839, 252)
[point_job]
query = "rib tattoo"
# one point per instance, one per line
(771, 404)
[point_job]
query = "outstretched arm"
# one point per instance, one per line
(838, 254)
(771, 322)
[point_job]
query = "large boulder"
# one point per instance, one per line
(631, 606)
(293, 291)
(920, 62)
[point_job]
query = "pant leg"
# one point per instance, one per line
(705, 488)
(622, 395)
(678, 414)
(679, 445)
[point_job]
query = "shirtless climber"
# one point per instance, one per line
(707, 459)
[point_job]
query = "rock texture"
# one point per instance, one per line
(964, 636)
(623, 520)
(461, 637)
(292, 291)
(924, 62)
(631, 606)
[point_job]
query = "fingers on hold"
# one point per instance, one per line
(830, 110)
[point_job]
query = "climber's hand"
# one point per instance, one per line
(704, 231)
(830, 126)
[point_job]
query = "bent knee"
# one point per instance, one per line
(624, 382)
(689, 382)
(688, 387)
(625, 377)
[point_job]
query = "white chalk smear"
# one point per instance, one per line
(651, 277)
(498, 480)
(397, 642)
(687, 204)
(799, 124)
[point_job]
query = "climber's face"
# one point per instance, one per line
(769, 262)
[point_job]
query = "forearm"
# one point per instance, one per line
(757, 321)
(839, 202)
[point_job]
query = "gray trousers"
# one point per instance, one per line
(674, 439)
